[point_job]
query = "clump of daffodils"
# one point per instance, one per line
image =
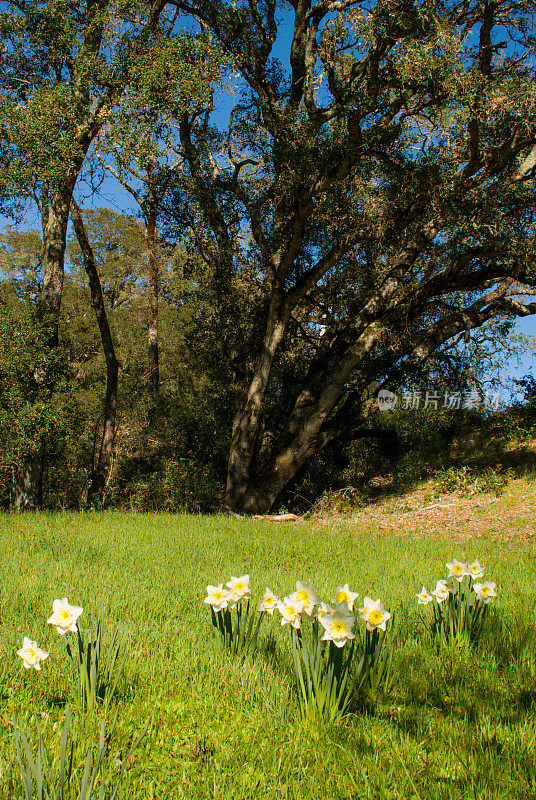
(458, 604)
(64, 618)
(232, 616)
(92, 679)
(237, 589)
(335, 654)
(332, 661)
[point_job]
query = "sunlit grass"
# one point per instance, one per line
(459, 723)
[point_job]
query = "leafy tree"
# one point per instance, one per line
(68, 65)
(372, 204)
(140, 148)
(41, 419)
(148, 183)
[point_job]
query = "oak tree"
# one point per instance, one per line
(372, 202)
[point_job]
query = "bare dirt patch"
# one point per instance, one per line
(421, 512)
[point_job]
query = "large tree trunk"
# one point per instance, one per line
(246, 423)
(306, 431)
(154, 288)
(263, 494)
(99, 472)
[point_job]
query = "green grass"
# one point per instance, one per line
(455, 725)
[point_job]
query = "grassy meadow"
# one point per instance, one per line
(458, 723)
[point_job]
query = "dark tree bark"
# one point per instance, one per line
(28, 484)
(100, 470)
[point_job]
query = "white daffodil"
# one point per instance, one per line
(31, 654)
(306, 594)
(338, 627)
(269, 601)
(441, 591)
(457, 569)
(324, 608)
(424, 597)
(217, 597)
(475, 570)
(374, 613)
(64, 616)
(485, 591)
(343, 593)
(341, 608)
(290, 610)
(238, 589)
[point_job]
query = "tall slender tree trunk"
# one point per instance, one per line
(99, 472)
(154, 289)
(54, 243)
(28, 479)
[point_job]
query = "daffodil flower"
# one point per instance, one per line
(290, 610)
(485, 591)
(457, 569)
(64, 616)
(31, 654)
(424, 597)
(475, 570)
(324, 608)
(269, 601)
(217, 597)
(238, 589)
(306, 594)
(338, 627)
(343, 593)
(341, 608)
(442, 591)
(374, 613)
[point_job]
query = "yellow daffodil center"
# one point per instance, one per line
(338, 629)
(65, 616)
(290, 611)
(375, 617)
(484, 591)
(217, 596)
(341, 597)
(457, 570)
(29, 653)
(302, 595)
(239, 587)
